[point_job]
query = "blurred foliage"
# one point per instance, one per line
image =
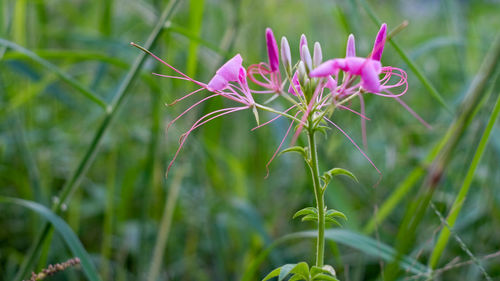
(226, 213)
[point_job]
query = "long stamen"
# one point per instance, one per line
(272, 120)
(354, 143)
(354, 111)
(363, 122)
(167, 64)
(188, 109)
(279, 146)
(192, 128)
(186, 96)
(414, 113)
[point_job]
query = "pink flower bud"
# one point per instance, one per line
(378, 46)
(272, 50)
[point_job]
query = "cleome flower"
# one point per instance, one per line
(229, 82)
(314, 89)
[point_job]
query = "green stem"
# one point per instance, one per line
(320, 200)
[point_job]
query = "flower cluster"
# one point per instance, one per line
(315, 88)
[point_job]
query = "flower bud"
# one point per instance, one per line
(303, 78)
(351, 47)
(306, 58)
(286, 57)
(318, 55)
(303, 41)
(272, 50)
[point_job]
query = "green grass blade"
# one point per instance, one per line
(196, 8)
(66, 78)
(403, 188)
(76, 55)
(89, 156)
(64, 230)
(415, 212)
(19, 28)
(106, 17)
(165, 224)
(411, 64)
(174, 28)
(468, 110)
(464, 189)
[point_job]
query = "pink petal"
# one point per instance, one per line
(331, 84)
(351, 47)
(369, 78)
(272, 50)
(231, 69)
(378, 46)
(217, 83)
(329, 67)
(354, 65)
(296, 84)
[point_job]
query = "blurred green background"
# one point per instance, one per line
(216, 213)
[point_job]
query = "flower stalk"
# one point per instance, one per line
(319, 194)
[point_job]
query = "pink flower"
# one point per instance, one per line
(368, 69)
(229, 82)
(270, 75)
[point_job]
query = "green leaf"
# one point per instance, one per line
(324, 277)
(285, 270)
(338, 171)
(310, 217)
(273, 273)
(298, 149)
(335, 214)
(297, 277)
(301, 269)
(332, 220)
(306, 211)
(315, 270)
(322, 129)
(329, 270)
(63, 76)
(64, 230)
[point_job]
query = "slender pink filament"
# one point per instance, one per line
(279, 147)
(185, 135)
(354, 143)
(414, 114)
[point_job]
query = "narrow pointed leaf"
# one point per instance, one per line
(66, 78)
(285, 270)
(301, 269)
(339, 171)
(311, 217)
(273, 273)
(64, 230)
(306, 211)
(332, 220)
(297, 149)
(335, 214)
